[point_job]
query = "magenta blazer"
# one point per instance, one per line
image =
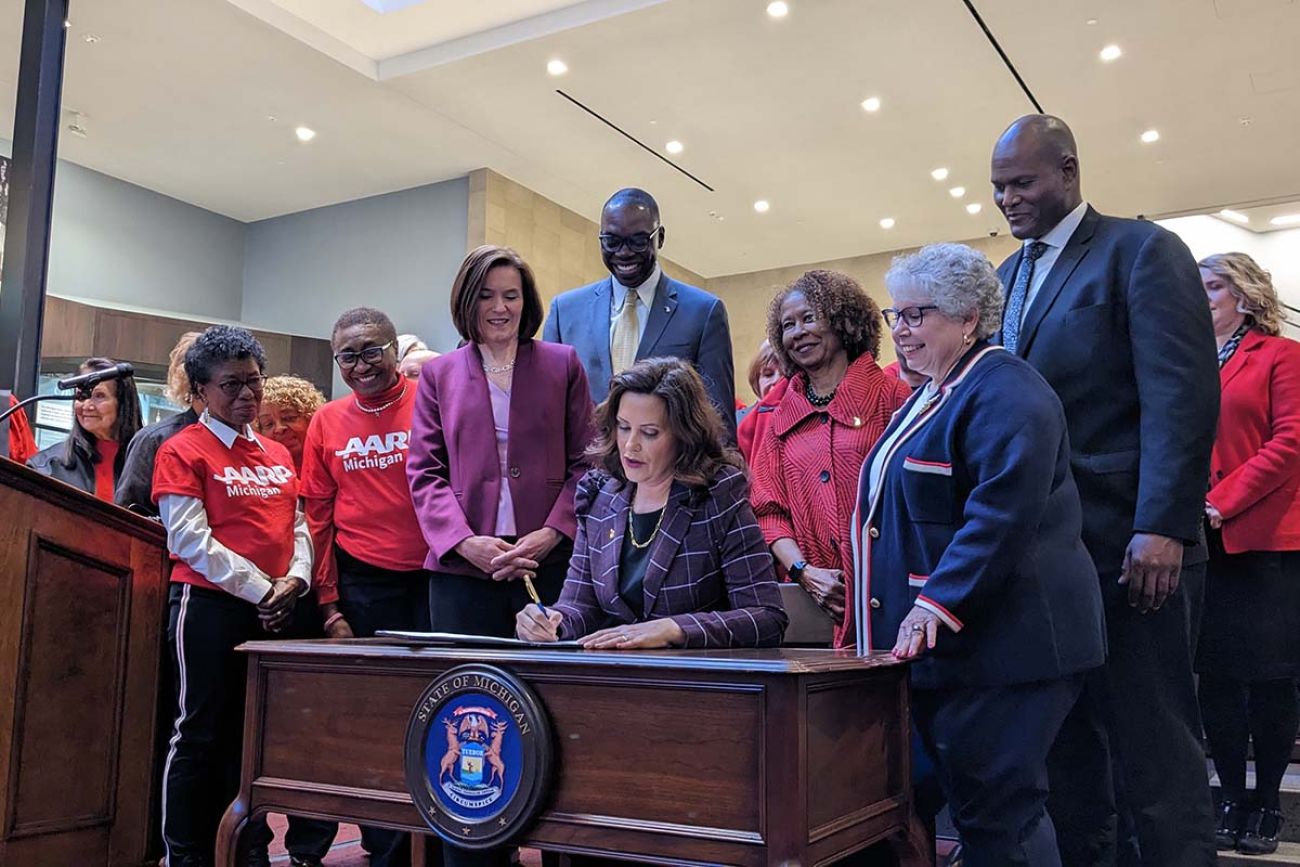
(452, 465)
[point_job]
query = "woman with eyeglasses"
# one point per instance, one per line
(241, 558)
(370, 571)
(825, 332)
(103, 422)
(970, 557)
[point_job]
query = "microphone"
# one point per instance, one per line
(87, 381)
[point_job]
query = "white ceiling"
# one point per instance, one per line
(766, 109)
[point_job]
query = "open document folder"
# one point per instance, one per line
(456, 639)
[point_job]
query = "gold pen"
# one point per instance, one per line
(532, 591)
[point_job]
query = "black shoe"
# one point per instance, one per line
(258, 859)
(1260, 835)
(1232, 817)
(304, 861)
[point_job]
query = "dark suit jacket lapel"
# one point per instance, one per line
(604, 564)
(1249, 343)
(665, 304)
(1075, 249)
(677, 520)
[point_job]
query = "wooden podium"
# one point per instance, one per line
(747, 757)
(82, 598)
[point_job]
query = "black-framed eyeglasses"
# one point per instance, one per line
(348, 359)
(234, 387)
(638, 243)
(913, 316)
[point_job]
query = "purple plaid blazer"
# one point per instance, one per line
(709, 569)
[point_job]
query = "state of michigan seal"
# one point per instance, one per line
(478, 756)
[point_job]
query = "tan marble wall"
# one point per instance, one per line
(560, 245)
(562, 248)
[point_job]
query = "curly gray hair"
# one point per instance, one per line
(961, 280)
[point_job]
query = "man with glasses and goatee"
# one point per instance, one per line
(641, 312)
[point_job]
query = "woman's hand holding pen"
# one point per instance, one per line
(535, 624)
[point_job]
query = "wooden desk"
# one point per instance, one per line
(746, 757)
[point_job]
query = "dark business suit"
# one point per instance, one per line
(1121, 330)
(685, 322)
(977, 519)
(454, 471)
(709, 569)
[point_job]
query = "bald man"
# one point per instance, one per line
(640, 312)
(1113, 314)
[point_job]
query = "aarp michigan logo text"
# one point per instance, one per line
(256, 481)
(375, 452)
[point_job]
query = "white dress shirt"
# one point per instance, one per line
(1056, 239)
(645, 298)
(189, 536)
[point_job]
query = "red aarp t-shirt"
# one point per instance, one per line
(249, 490)
(358, 460)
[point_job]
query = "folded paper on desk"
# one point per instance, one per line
(457, 639)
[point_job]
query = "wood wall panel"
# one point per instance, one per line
(76, 330)
(69, 329)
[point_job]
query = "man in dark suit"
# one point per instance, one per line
(1113, 314)
(664, 317)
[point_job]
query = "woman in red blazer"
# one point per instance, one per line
(1249, 654)
(497, 441)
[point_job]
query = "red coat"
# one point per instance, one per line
(1255, 467)
(805, 473)
(749, 433)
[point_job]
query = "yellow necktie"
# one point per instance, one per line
(622, 349)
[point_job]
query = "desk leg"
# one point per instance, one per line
(914, 846)
(232, 825)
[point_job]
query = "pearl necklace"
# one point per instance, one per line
(378, 409)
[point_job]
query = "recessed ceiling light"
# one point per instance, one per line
(939, 174)
(974, 208)
(1090, 21)
(778, 9)
(762, 206)
(557, 67)
(304, 133)
(1151, 136)
(887, 223)
(90, 39)
(871, 103)
(1235, 216)
(1111, 52)
(1286, 220)
(674, 147)
(957, 192)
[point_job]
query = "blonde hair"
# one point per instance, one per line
(292, 392)
(1252, 286)
(178, 388)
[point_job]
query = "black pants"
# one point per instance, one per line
(990, 746)
(481, 606)
(1128, 778)
(1238, 712)
(201, 774)
(372, 598)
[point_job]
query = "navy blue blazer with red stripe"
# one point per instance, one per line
(978, 520)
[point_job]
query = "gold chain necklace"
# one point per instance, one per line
(631, 531)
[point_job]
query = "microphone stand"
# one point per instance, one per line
(22, 403)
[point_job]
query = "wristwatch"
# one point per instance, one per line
(796, 570)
